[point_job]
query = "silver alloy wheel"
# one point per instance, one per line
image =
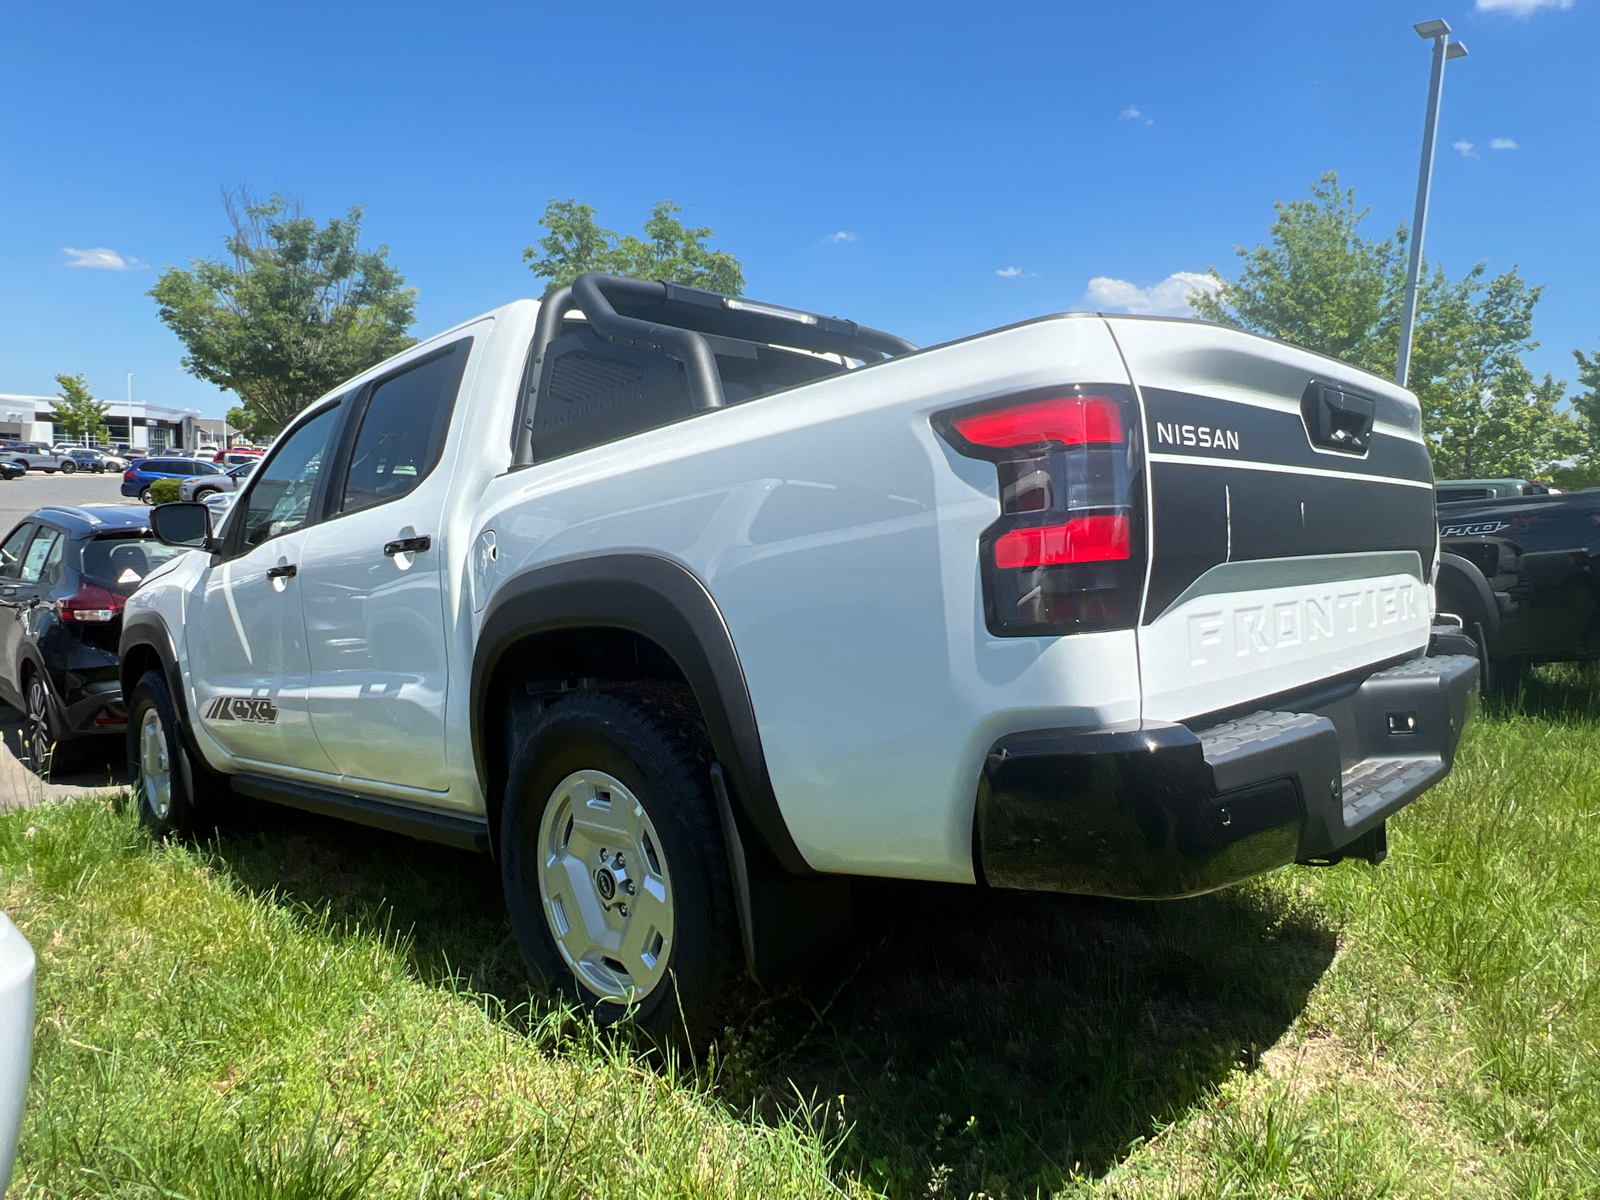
(40, 744)
(155, 767)
(606, 889)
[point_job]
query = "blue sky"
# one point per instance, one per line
(932, 170)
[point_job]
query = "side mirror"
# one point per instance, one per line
(187, 525)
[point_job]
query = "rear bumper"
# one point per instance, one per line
(1157, 810)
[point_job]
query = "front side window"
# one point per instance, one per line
(11, 551)
(280, 498)
(403, 429)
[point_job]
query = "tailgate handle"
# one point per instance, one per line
(1337, 418)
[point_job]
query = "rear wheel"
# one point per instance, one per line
(615, 873)
(39, 737)
(164, 774)
(144, 495)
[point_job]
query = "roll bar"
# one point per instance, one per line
(672, 319)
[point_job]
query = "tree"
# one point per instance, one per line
(80, 412)
(576, 244)
(1320, 284)
(291, 312)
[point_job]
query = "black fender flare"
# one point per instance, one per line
(1461, 576)
(147, 629)
(663, 601)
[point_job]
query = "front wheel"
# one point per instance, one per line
(67, 468)
(164, 776)
(616, 877)
(201, 495)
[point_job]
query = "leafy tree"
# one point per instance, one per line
(80, 412)
(292, 310)
(1317, 283)
(1587, 403)
(248, 422)
(1321, 284)
(576, 244)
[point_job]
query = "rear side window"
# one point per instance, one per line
(403, 429)
(280, 499)
(41, 551)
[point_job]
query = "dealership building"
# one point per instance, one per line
(149, 427)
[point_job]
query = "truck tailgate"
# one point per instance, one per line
(1276, 562)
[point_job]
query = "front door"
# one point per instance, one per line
(246, 633)
(373, 583)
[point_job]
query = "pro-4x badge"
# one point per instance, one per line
(242, 708)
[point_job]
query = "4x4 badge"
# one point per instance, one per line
(242, 708)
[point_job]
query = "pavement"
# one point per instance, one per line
(95, 770)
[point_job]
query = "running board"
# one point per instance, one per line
(448, 829)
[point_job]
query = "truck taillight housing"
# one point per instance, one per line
(1068, 552)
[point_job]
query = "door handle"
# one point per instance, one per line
(287, 571)
(410, 545)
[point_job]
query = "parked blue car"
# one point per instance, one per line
(136, 480)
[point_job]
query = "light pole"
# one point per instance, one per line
(130, 387)
(1443, 49)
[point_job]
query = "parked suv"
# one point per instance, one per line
(695, 609)
(136, 480)
(64, 576)
(202, 486)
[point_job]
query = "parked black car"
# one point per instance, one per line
(1523, 574)
(64, 575)
(11, 470)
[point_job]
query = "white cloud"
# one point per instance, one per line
(1129, 114)
(1009, 272)
(1521, 8)
(1468, 150)
(843, 235)
(1169, 298)
(98, 258)
(1502, 144)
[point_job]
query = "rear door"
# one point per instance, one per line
(1292, 518)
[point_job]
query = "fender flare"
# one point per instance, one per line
(663, 601)
(1465, 578)
(148, 629)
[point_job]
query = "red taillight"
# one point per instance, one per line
(1081, 540)
(129, 475)
(1067, 553)
(1060, 420)
(91, 603)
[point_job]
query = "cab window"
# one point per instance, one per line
(279, 500)
(403, 429)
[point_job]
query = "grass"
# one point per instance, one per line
(305, 1009)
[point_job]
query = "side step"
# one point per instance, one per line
(428, 825)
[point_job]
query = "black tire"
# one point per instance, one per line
(69, 467)
(200, 494)
(144, 495)
(41, 743)
(183, 808)
(651, 739)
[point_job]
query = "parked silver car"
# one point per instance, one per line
(202, 487)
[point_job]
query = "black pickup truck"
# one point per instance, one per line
(1523, 574)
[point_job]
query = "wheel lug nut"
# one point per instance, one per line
(627, 886)
(622, 908)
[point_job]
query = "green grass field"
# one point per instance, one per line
(304, 1009)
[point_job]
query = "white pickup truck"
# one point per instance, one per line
(690, 609)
